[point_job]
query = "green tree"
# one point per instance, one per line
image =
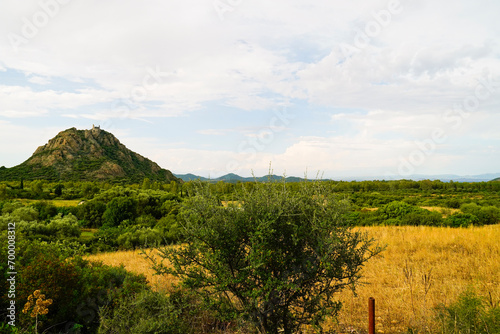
(146, 184)
(91, 212)
(37, 187)
(58, 189)
(276, 257)
(461, 220)
(395, 210)
(3, 191)
(120, 209)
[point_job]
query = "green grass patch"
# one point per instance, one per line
(86, 234)
(57, 202)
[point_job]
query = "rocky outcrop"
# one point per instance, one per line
(93, 154)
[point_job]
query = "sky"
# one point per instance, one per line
(210, 87)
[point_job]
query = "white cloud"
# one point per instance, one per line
(20, 101)
(26, 140)
(39, 80)
(171, 59)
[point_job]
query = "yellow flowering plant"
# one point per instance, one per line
(38, 306)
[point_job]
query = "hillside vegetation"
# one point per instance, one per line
(80, 155)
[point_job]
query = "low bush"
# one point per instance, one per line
(58, 228)
(423, 217)
(461, 220)
(148, 312)
(139, 237)
(487, 215)
(469, 314)
(77, 287)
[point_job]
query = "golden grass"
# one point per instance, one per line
(420, 268)
(134, 262)
(445, 211)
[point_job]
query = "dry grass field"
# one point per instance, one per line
(135, 262)
(420, 268)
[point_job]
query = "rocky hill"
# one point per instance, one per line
(86, 155)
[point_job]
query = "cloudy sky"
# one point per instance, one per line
(346, 88)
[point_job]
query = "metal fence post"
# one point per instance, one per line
(371, 315)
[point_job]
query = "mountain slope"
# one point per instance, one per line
(86, 155)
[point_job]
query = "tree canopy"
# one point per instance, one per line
(273, 256)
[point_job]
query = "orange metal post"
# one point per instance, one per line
(371, 315)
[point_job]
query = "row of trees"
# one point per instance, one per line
(128, 216)
(41, 189)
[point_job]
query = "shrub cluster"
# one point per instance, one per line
(78, 288)
(469, 314)
(399, 213)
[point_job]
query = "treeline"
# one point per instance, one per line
(126, 216)
(47, 190)
(399, 213)
(43, 189)
(110, 217)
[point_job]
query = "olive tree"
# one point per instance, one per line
(272, 256)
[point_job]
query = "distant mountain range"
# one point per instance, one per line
(444, 178)
(95, 154)
(86, 155)
(236, 178)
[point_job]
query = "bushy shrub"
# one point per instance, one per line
(79, 288)
(139, 237)
(145, 221)
(9, 207)
(45, 210)
(57, 228)
(106, 238)
(461, 220)
(423, 217)
(487, 215)
(453, 203)
(277, 258)
(91, 213)
(393, 222)
(469, 314)
(395, 210)
(120, 209)
(169, 228)
(27, 214)
(149, 312)
(55, 278)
